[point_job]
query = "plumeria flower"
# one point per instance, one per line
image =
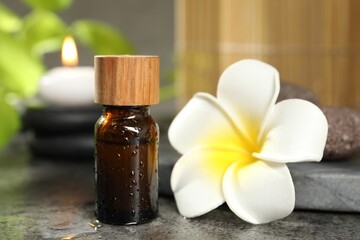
(235, 147)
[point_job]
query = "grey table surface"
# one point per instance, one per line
(43, 199)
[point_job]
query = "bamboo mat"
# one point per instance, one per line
(315, 44)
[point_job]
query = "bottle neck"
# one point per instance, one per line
(126, 111)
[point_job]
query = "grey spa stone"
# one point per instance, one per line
(329, 186)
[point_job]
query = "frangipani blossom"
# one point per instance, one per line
(235, 147)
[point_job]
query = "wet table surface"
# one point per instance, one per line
(43, 199)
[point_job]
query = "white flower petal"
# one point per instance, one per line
(296, 131)
(259, 192)
(196, 179)
(203, 122)
(248, 90)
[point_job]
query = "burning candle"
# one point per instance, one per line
(69, 85)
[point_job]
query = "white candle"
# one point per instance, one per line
(68, 85)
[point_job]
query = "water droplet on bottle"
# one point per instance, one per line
(131, 194)
(134, 182)
(95, 224)
(132, 173)
(141, 163)
(134, 153)
(133, 212)
(119, 156)
(141, 175)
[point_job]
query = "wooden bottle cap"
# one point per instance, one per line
(126, 80)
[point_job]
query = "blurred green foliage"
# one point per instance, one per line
(25, 40)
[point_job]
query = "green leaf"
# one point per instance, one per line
(9, 22)
(101, 38)
(9, 120)
(19, 69)
(43, 32)
(52, 5)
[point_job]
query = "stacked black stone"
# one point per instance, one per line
(62, 132)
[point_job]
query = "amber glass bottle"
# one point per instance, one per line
(126, 139)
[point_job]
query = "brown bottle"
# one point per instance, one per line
(126, 139)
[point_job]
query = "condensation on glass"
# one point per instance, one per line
(126, 139)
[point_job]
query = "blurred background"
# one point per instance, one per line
(313, 44)
(31, 35)
(148, 25)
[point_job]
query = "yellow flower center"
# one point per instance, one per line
(227, 150)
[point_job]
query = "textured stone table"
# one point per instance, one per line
(43, 199)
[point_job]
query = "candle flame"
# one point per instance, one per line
(69, 54)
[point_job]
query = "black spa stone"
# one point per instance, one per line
(49, 121)
(62, 132)
(64, 148)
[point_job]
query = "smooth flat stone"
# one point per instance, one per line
(329, 186)
(54, 120)
(62, 132)
(69, 147)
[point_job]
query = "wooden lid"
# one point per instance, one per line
(126, 80)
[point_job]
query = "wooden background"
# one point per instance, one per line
(313, 43)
